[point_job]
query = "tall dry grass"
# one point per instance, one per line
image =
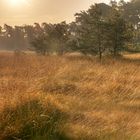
(70, 97)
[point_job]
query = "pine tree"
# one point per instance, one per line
(92, 30)
(119, 33)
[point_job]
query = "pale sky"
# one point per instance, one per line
(20, 12)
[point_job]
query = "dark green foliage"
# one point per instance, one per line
(30, 120)
(119, 32)
(41, 44)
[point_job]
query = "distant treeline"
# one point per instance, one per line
(102, 29)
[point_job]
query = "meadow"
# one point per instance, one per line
(69, 97)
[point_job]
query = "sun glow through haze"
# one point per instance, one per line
(19, 12)
(17, 3)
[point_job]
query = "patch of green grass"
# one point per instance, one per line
(31, 119)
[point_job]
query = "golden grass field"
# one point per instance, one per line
(69, 98)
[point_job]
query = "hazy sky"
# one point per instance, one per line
(19, 12)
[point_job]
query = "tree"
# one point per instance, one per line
(101, 29)
(8, 37)
(51, 38)
(60, 36)
(18, 38)
(92, 30)
(72, 42)
(41, 44)
(131, 11)
(119, 32)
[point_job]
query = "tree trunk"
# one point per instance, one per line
(115, 51)
(100, 53)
